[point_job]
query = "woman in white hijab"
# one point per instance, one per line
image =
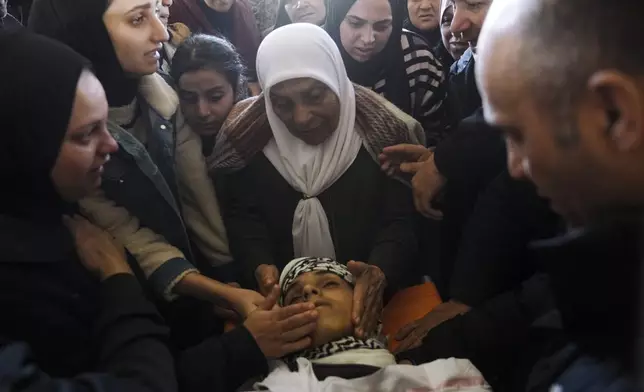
(300, 166)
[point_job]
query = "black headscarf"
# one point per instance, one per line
(37, 95)
(388, 64)
(433, 37)
(80, 25)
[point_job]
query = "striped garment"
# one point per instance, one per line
(426, 86)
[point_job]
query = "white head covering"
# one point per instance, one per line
(303, 50)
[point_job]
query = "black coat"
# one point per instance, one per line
(593, 280)
(9, 24)
(494, 255)
(73, 323)
(463, 96)
(469, 158)
(371, 218)
(50, 302)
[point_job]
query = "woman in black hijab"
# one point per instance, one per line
(55, 143)
(395, 63)
(156, 189)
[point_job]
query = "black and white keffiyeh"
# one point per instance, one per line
(345, 344)
(303, 265)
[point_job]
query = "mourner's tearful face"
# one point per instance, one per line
(87, 144)
(137, 34)
(309, 109)
(333, 300)
(366, 29)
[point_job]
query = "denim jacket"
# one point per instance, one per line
(144, 195)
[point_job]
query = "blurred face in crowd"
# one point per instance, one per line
(137, 34)
(454, 46)
(424, 14)
(309, 109)
(306, 11)
(366, 28)
(164, 12)
(219, 5)
(87, 143)
(467, 21)
(586, 158)
(206, 98)
(333, 299)
(3, 8)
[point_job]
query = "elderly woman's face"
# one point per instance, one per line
(333, 299)
(309, 109)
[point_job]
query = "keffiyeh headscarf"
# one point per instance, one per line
(302, 265)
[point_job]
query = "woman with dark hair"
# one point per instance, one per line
(231, 19)
(55, 144)
(395, 63)
(423, 18)
(301, 11)
(209, 78)
(209, 75)
(156, 188)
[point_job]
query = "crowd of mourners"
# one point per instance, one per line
(233, 195)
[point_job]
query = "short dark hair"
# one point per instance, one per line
(563, 42)
(202, 51)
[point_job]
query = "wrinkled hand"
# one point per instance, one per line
(282, 331)
(426, 184)
(96, 249)
(367, 297)
(393, 157)
(412, 335)
(267, 276)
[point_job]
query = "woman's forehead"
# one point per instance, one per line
(296, 86)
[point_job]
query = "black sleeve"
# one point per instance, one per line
(396, 244)
(248, 236)
(472, 150)
(494, 335)
(221, 363)
(133, 356)
(494, 255)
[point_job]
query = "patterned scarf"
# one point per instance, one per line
(300, 266)
(345, 344)
(247, 131)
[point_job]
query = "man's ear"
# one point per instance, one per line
(623, 105)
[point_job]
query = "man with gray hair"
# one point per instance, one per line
(569, 98)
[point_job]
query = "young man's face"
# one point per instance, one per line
(333, 299)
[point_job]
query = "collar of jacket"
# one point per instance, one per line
(158, 93)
